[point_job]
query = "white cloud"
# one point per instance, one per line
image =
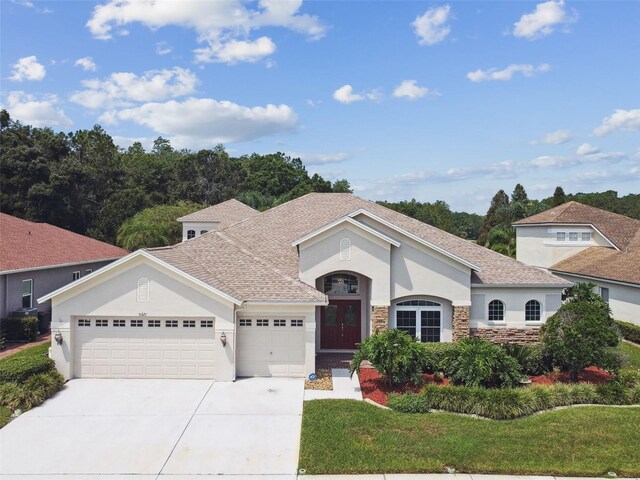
(543, 20)
(28, 68)
(410, 89)
(87, 64)
(345, 94)
(432, 27)
(28, 4)
(554, 138)
(235, 51)
(42, 112)
(507, 73)
(320, 158)
(197, 122)
(586, 149)
(628, 120)
(215, 23)
(122, 88)
(163, 48)
(126, 142)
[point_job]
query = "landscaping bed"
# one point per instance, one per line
(323, 382)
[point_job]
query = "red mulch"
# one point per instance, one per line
(374, 388)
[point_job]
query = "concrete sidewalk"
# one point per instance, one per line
(344, 387)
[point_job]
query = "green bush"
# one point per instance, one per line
(32, 392)
(480, 363)
(530, 357)
(20, 329)
(18, 367)
(396, 356)
(438, 356)
(578, 335)
(629, 331)
(508, 403)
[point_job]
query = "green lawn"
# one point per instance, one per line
(346, 436)
(633, 355)
(5, 416)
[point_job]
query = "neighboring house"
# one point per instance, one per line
(587, 244)
(214, 218)
(262, 296)
(36, 258)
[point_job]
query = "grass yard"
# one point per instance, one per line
(633, 355)
(5, 416)
(346, 436)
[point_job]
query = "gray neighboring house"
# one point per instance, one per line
(36, 258)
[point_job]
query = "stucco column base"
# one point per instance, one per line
(379, 318)
(461, 315)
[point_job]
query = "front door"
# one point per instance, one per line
(340, 325)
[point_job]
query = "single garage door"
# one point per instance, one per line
(270, 347)
(144, 347)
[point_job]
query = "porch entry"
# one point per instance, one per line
(340, 325)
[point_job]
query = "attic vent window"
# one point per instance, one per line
(345, 249)
(143, 290)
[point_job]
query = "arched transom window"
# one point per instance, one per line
(532, 311)
(496, 311)
(341, 284)
(191, 234)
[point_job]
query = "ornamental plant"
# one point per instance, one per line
(394, 354)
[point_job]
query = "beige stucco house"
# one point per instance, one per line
(586, 244)
(261, 294)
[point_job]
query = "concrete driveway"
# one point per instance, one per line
(153, 428)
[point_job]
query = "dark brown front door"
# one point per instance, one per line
(340, 324)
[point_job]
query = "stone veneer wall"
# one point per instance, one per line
(461, 315)
(521, 336)
(379, 318)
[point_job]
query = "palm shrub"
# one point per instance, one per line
(480, 363)
(530, 357)
(394, 354)
(438, 356)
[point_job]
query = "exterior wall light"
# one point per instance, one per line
(58, 337)
(223, 339)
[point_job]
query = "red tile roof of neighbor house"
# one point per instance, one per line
(623, 232)
(28, 245)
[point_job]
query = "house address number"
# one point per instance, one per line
(142, 314)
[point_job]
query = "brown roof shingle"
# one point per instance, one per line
(226, 213)
(603, 262)
(25, 245)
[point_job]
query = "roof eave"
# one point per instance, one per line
(591, 277)
(351, 221)
(60, 265)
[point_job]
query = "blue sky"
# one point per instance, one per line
(431, 100)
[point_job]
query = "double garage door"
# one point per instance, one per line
(144, 347)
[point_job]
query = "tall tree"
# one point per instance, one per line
(497, 214)
(558, 197)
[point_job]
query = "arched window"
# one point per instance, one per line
(420, 319)
(341, 284)
(496, 311)
(202, 232)
(418, 303)
(143, 290)
(345, 249)
(191, 234)
(532, 311)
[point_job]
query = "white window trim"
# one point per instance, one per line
(504, 313)
(76, 275)
(534, 322)
(418, 309)
(30, 280)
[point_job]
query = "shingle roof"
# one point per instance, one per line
(623, 232)
(25, 245)
(226, 213)
(603, 262)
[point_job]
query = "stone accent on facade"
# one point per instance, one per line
(520, 336)
(461, 315)
(379, 318)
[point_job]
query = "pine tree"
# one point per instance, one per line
(558, 197)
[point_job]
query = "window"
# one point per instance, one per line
(27, 293)
(420, 319)
(143, 290)
(245, 322)
(586, 236)
(88, 271)
(532, 311)
(560, 236)
(191, 234)
(76, 275)
(135, 323)
(153, 323)
(119, 323)
(406, 321)
(430, 326)
(279, 323)
(604, 293)
(262, 322)
(83, 322)
(206, 323)
(418, 303)
(345, 249)
(496, 311)
(202, 232)
(102, 323)
(297, 323)
(171, 323)
(573, 236)
(188, 323)
(341, 284)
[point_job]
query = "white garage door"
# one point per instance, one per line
(270, 347)
(144, 347)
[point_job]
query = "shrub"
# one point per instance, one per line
(578, 335)
(530, 357)
(629, 331)
(438, 356)
(20, 328)
(32, 392)
(507, 403)
(396, 356)
(18, 367)
(481, 363)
